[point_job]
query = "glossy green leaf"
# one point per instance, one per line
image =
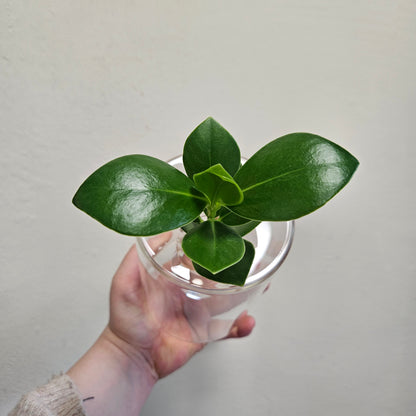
(139, 195)
(208, 145)
(231, 218)
(218, 186)
(240, 225)
(213, 246)
(235, 274)
(244, 229)
(292, 176)
(190, 226)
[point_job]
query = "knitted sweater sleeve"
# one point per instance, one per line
(59, 397)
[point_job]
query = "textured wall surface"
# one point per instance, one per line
(84, 82)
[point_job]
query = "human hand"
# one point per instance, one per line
(137, 306)
(117, 374)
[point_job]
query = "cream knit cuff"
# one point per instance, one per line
(59, 397)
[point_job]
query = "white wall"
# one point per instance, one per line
(84, 82)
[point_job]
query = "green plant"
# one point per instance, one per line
(219, 200)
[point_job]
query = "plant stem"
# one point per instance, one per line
(212, 210)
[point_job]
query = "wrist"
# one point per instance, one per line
(115, 378)
(133, 359)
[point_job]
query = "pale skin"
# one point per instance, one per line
(117, 374)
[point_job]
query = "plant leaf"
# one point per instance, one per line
(243, 229)
(213, 246)
(230, 218)
(139, 195)
(190, 226)
(292, 176)
(218, 186)
(235, 274)
(240, 225)
(208, 145)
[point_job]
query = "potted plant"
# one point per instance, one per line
(213, 207)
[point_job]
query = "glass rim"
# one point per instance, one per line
(252, 280)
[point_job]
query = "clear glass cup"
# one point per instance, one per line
(192, 307)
